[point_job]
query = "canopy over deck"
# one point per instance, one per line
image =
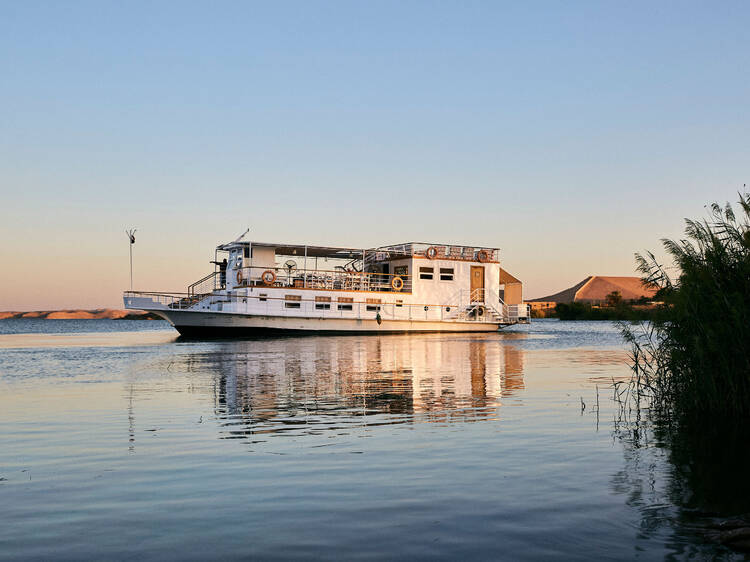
(407, 249)
(283, 249)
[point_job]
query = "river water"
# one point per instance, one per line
(118, 440)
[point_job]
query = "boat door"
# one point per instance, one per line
(477, 283)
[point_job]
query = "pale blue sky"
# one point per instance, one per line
(569, 134)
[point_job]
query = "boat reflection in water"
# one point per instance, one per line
(313, 384)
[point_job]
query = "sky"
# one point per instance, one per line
(569, 134)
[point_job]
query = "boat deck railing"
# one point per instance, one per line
(473, 309)
(433, 251)
(333, 280)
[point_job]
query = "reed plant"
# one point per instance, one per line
(693, 358)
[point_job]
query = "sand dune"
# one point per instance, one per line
(96, 314)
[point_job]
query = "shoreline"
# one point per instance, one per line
(80, 314)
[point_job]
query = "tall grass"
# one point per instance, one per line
(693, 359)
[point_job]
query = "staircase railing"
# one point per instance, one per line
(204, 286)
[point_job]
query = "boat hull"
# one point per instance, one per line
(209, 324)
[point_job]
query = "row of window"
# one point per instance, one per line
(446, 273)
(324, 303)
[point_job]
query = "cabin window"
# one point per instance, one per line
(373, 305)
(247, 252)
(399, 303)
(345, 303)
(401, 270)
(292, 301)
(446, 274)
(263, 297)
(322, 303)
(426, 272)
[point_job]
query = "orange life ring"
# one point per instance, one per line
(397, 283)
(268, 277)
(483, 256)
(431, 252)
(239, 276)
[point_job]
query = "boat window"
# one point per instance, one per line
(373, 305)
(345, 303)
(446, 274)
(344, 307)
(401, 270)
(247, 251)
(263, 297)
(292, 301)
(322, 303)
(399, 303)
(426, 272)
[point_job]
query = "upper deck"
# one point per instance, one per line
(383, 268)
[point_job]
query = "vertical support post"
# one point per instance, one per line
(131, 240)
(304, 277)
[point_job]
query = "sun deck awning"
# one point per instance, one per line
(407, 249)
(282, 249)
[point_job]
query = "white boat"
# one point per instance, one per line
(261, 287)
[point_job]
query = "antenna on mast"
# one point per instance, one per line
(131, 239)
(241, 236)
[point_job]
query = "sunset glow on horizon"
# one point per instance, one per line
(569, 136)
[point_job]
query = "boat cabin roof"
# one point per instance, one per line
(406, 249)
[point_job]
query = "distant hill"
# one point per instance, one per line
(96, 314)
(595, 288)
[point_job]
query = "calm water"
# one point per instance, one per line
(120, 441)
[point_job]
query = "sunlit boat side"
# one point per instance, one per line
(412, 287)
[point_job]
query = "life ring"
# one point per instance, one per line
(268, 277)
(480, 311)
(483, 256)
(239, 277)
(431, 252)
(397, 283)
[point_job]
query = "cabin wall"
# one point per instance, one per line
(436, 290)
(263, 258)
(513, 293)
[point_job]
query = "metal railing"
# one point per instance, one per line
(480, 305)
(206, 285)
(336, 280)
(442, 251)
(258, 303)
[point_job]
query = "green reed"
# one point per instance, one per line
(693, 358)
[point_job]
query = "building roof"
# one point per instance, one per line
(597, 287)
